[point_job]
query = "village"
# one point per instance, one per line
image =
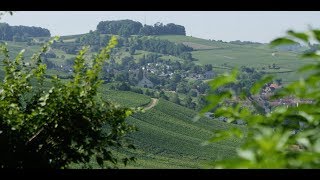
(164, 70)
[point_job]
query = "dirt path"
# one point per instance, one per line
(153, 102)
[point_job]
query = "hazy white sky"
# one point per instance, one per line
(260, 26)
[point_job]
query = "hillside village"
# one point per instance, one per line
(141, 63)
(163, 70)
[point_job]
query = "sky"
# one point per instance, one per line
(257, 26)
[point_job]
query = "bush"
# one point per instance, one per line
(63, 124)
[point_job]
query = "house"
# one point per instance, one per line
(274, 86)
(270, 88)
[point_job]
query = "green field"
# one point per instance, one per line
(169, 138)
(167, 135)
(226, 55)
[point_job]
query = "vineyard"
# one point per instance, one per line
(126, 98)
(167, 137)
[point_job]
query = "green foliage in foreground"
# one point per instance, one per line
(66, 124)
(288, 136)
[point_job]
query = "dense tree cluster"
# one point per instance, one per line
(161, 46)
(129, 27)
(93, 38)
(122, 27)
(160, 29)
(8, 33)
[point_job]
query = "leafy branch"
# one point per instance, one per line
(286, 137)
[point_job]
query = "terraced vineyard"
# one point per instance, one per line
(169, 138)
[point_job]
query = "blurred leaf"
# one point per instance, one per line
(246, 154)
(308, 67)
(258, 85)
(223, 80)
(282, 41)
(220, 135)
(314, 55)
(214, 100)
(302, 36)
(316, 146)
(304, 141)
(316, 33)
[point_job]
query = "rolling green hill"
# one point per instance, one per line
(167, 136)
(224, 56)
